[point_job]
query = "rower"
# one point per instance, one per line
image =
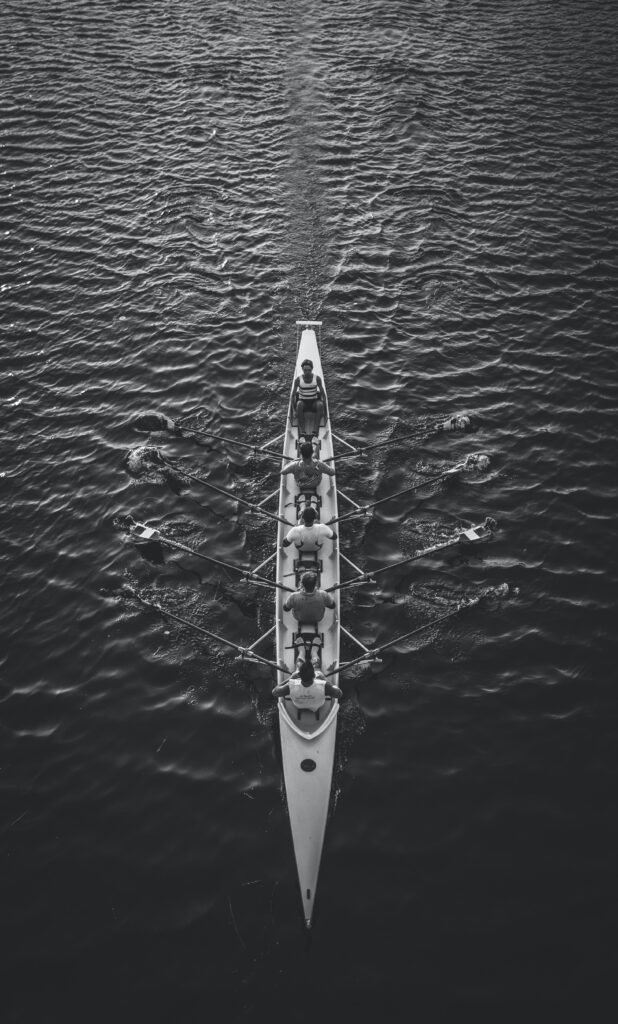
(308, 605)
(307, 471)
(308, 396)
(308, 688)
(308, 535)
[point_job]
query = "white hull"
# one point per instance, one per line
(307, 741)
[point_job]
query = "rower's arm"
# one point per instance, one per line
(329, 470)
(288, 539)
(286, 605)
(281, 690)
(320, 387)
(288, 469)
(332, 691)
(295, 392)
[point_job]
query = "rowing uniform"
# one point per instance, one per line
(309, 538)
(309, 607)
(310, 697)
(308, 391)
(308, 474)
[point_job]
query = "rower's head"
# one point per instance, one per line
(308, 581)
(306, 450)
(306, 673)
(309, 515)
(307, 367)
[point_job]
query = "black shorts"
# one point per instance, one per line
(308, 404)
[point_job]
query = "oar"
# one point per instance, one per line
(471, 535)
(256, 449)
(143, 534)
(374, 652)
(228, 494)
(244, 651)
(363, 509)
(454, 423)
(164, 423)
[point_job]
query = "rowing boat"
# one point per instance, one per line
(307, 737)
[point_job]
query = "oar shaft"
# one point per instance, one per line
(422, 433)
(427, 625)
(230, 440)
(406, 636)
(417, 435)
(366, 577)
(228, 494)
(414, 487)
(417, 554)
(178, 546)
(250, 575)
(389, 497)
(486, 526)
(206, 632)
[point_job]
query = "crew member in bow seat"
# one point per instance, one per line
(308, 688)
(308, 396)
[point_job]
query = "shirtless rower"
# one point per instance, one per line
(308, 396)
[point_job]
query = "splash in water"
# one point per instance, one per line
(146, 463)
(476, 463)
(155, 421)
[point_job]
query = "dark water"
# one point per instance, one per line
(438, 182)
